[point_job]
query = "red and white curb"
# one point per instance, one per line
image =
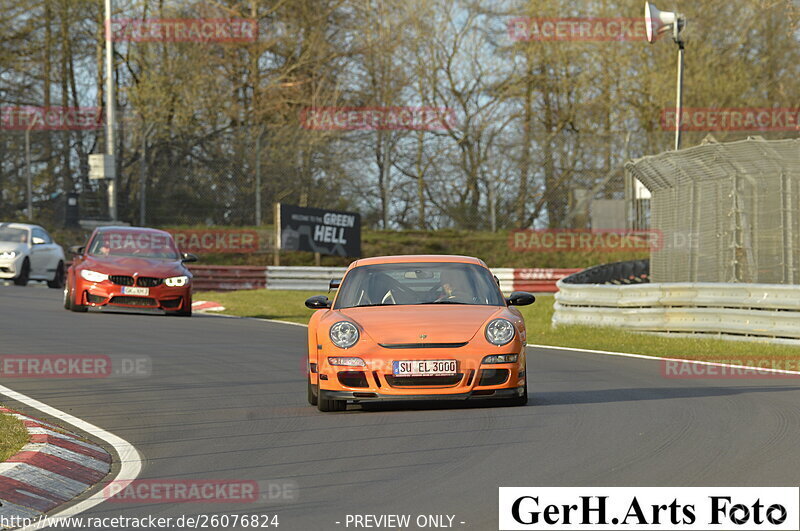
(207, 306)
(53, 468)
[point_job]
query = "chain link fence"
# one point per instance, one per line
(725, 212)
(232, 177)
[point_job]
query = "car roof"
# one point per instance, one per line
(125, 228)
(19, 226)
(407, 258)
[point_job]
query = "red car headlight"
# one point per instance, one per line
(93, 276)
(176, 282)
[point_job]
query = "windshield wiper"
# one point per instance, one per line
(444, 302)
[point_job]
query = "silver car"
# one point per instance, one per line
(27, 252)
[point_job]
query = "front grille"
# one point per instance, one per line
(94, 299)
(121, 280)
(423, 345)
(423, 381)
(493, 376)
(133, 301)
(171, 303)
(148, 282)
(353, 379)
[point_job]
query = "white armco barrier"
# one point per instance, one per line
(318, 278)
(761, 310)
(302, 278)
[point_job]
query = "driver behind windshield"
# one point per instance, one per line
(453, 285)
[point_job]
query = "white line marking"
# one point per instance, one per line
(645, 357)
(130, 460)
(281, 322)
(611, 353)
(259, 319)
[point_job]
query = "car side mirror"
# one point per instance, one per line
(77, 249)
(520, 298)
(318, 302)
(188, 257)
(38, 241)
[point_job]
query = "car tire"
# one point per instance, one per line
(67, 297)
(58, 279)
(326, 405)
(74, 306)
(312, 395)
(24, 274)
(181, 313)
(520, 400)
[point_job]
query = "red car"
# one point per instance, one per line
(129, 267)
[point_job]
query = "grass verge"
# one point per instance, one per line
(13, 436)
(288, 306)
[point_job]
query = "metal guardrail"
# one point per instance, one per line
(302, 278)
(228, 278)
(758, 310)
(317, 278)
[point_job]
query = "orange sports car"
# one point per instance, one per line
(416, 328)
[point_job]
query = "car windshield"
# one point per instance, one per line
(9, 234)
(134, 244)
(419, 283)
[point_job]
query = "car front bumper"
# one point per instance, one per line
(375, 380)
(9, 268)
(105, 294)
(369, 396)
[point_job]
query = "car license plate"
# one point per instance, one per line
(129, 290)
(424, 368)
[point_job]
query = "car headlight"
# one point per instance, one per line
(350, 362)
(499, 331)
(501, 358)
(344, 334)
(93, 276)
(8, 254)
(176, 282)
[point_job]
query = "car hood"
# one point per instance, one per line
(120, 265)
(12, 246)
(442, 323)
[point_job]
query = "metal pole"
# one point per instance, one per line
(258, 177)
(28, 172)
(143, 181)
(679, 95)
(110, 112)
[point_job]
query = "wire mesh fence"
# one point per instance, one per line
(726, 212)
(234, 176)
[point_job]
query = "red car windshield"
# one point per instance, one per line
(134, 244)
